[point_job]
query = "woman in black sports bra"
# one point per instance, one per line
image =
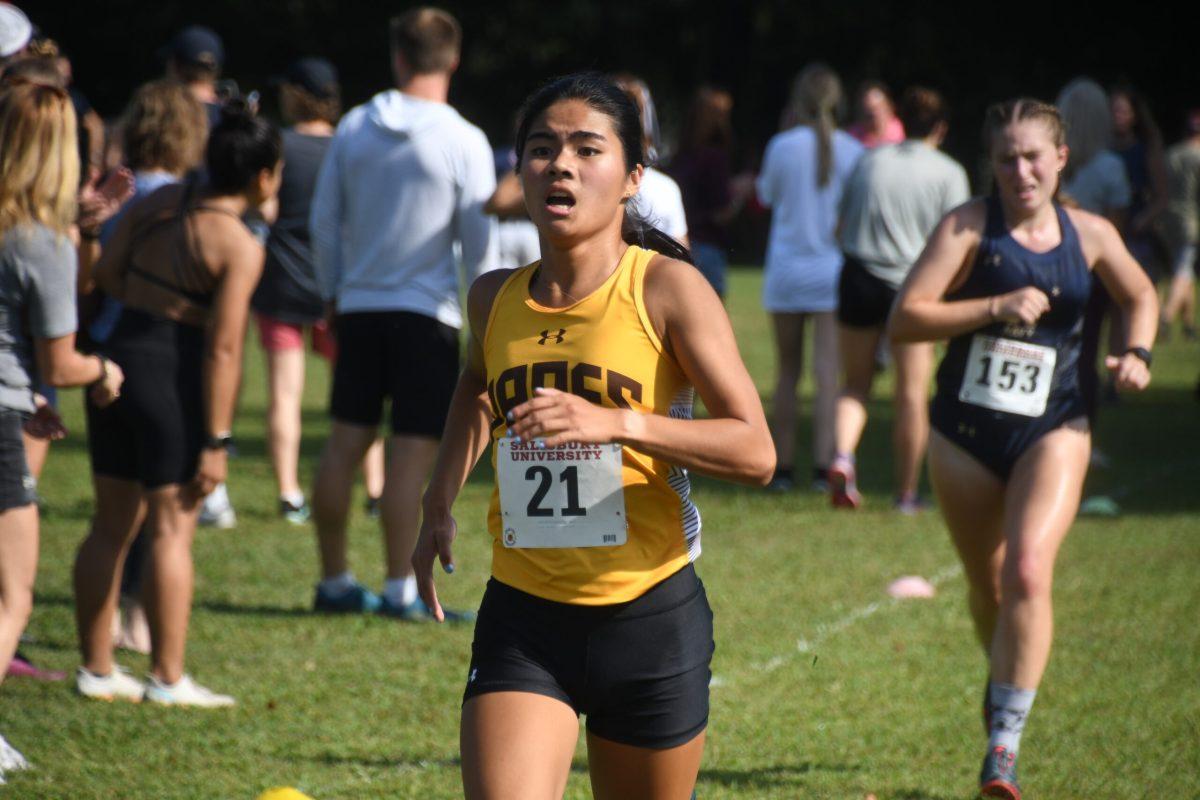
(184, 266)
(1006, 279)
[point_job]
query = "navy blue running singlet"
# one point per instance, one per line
(1002, 387)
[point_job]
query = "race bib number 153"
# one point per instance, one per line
(565, 496)
(1007, 375)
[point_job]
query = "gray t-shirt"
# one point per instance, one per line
(893, 200)
(37, 300)
(1101, 185)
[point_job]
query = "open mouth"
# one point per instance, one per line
(560, 202)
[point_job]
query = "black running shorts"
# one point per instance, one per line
(155, 430)
(638, 670)
(408, 357)
(864, 301)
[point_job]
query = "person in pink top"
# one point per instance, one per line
(876, 122)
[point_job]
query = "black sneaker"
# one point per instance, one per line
(998, 778)
(371, 507)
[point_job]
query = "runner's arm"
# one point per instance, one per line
(688, 316)
(921, 312)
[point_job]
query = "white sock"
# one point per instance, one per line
(294, 499)
(338, 584)
(401, 591)
(1009, 708)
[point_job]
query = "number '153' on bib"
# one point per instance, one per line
(1007, 375)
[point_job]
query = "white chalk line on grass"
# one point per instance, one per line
(825, 630)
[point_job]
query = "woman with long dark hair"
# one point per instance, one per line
(184, 266)
(580, 372)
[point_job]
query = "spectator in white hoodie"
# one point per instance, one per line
(404, 181)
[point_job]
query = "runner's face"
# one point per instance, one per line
(573, 172)
(1122, 114)
(1026, 163)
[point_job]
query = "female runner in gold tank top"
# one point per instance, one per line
(607, 621)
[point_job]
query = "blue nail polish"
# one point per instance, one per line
(509, 416)
(540, 444)
(449, 568)
(509, 432)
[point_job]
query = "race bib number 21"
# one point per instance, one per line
(565, 496)
(1007, 375)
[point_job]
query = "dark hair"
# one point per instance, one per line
(707, 122)
(604, 96)
(921, 110)
(239, 147)
(302, 105)
(39, 70)
(430, 39)
(1145, 127)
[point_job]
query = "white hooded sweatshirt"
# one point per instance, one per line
(404, 180)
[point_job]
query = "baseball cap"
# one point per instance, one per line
(15, 30)
(196, 44)
(314, 75)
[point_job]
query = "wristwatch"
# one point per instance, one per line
(1141, 353)
(221, 441)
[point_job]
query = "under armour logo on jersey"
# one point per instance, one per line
(995, 260)
(557, 337)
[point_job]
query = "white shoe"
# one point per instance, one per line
(117, 685)
(217, 511)
(11, 759)
(184, 692)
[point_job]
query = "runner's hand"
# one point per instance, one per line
(438, 530)
(1024, 306)
(1129, 372)
(105, 391)
(560, 417)
(45, 422)
(211, 472)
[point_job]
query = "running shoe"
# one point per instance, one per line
(293, 513)
(22, 667)
(11, 759)
(843, 486)
(781, 483)
(184, 692)
(820, 481)
(116, 685)
(371, 507)
(358, 599)
(417, 611)
(217, 511)
(910, 505)
(998, 778)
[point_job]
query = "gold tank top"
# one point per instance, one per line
(604, 349)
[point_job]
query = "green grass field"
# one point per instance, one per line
(823, 686)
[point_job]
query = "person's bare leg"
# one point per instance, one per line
(120, 511)
(910, 436)
(971, 500)
(856, 347)
(409, 462)
(170, 576)
(623, 772)
(825, 374)
(789, 351)
(1040, 505)
(18, 568)
(516, 746)
(373, 469)
(343, 453)
(285, 386)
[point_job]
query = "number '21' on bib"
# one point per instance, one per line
(1007, 375)
(565, 496)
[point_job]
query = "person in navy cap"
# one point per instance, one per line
(194, 57)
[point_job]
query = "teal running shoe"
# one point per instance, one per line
(358, 599)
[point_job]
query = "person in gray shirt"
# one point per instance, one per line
(39, 175)
(893, 199)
